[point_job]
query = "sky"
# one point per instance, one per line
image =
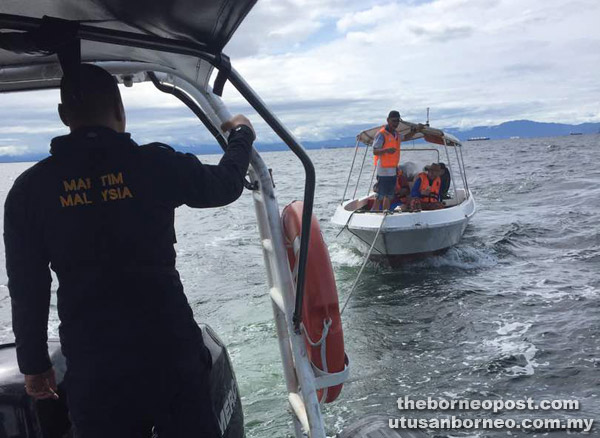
(326, 67)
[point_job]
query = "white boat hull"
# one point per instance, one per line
(403, 233)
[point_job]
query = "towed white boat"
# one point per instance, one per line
(398, 235)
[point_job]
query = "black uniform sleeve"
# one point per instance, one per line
(29, 280)
(201, 185)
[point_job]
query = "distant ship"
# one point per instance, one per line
(515, 137)
(477, 138)
(576, 133)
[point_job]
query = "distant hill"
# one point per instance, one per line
(524, 128)
(515, 128)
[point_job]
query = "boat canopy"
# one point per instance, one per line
(412, 131)
(120, 30)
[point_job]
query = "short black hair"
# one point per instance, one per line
(89, 91)
(394, 114)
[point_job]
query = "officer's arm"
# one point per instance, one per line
(28, 283)
(201, 185)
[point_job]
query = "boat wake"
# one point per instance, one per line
(461, 257)
(342, 254)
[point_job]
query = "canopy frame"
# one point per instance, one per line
(286, 295)
(409, 131)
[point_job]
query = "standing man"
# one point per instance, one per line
(386, 151)
(100, 212)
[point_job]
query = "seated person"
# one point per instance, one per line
(409, 169)
(427, 187)
(401, 191)
(445, 178)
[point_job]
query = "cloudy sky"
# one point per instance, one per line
(327, 66)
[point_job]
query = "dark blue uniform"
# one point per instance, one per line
(100, 212)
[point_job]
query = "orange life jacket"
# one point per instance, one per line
(398, 181)
(434, 193)
(398, 187)
(389, 141)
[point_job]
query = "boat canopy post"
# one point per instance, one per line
(465, 171)
(450, 167)
(462, 175)
(372, 178)
(350, 173)
(362, 166)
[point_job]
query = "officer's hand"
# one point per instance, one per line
(237, 121)
(41, 386)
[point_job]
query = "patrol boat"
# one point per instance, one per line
(177, 45)
(397, 236)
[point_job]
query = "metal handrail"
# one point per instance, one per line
(309, 185)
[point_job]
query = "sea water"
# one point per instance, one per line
(513, 311)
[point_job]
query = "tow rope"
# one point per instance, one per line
(385, 214)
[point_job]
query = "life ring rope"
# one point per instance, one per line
(323, 344)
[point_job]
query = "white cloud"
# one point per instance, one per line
(326, 66)
(473, 63)
(30, 129)
(380, 14)
(13, 150)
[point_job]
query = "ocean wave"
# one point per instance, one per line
(512, 354)
(517, 235)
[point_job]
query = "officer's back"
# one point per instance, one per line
(100, 210)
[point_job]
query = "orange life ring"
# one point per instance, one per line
(320, 309)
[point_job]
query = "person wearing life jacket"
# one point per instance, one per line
(427, 187)
(386, 151)
(401, 191)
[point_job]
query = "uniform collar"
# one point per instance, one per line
(91, 137)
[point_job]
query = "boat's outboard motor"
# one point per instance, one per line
(22, 417)
(224, 391)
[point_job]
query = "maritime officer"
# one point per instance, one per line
(100, 212)
(386, 151)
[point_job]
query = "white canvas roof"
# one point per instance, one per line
(412, 131)
(205, 25)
